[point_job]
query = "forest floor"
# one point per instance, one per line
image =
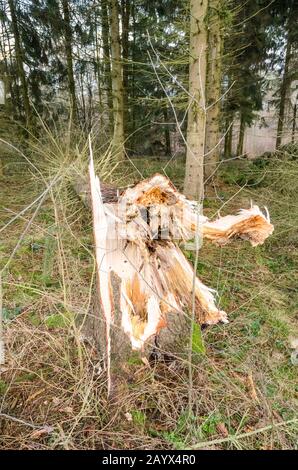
(52, 388)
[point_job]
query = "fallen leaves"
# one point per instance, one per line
(221, 429)
(43, 431)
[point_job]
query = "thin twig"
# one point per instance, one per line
(20, 421)
(243, 435)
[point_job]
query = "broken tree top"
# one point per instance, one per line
(137, 237)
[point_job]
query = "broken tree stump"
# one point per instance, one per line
(144, 282)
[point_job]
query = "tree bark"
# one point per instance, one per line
(167, 133)
(241, 136)
(117, 82)
(7, 81)
(285, 78)
(125, 15)
(283, 93)
(194, 173)
(213, 88)
(15, 95)
(133, 74)
(98, 69)
(228, 137)
(107, 62)
(294, 123)
(69, 59)
(20, 62)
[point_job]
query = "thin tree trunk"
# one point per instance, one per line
(284, 85)
(90, 104)
(117, 82)
(7, 80)
(107, 61)
(20, 62)
(125, 15)
(194, 174)
(17, 112)
(167, 133)
(213, 88)
(81, 85)
(228, 137)
(241, 136)
(68, 53)
(294, 123)
(97, 66)
(132, 101)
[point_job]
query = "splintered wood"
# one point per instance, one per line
(137, 238)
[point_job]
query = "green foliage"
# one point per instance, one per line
(209, 425)
(34, 319)
(139, 418)
(3, 387)
(242, 174)
(135, 360)
(186, 426)
(10, 313)
(59, 320)
(197, 340)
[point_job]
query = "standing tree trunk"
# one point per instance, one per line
(81, 86)
(167, 133)
(213, 88)
(20, 62)
(7, 81)
(291, 29)
(15, 95)
(133, 75)
(241, 136)
(97, 64)
(194, 174)
(68, 53)
(125, 15)
(107, 62)
(117, 82)
(228, 137)
(283, 93)
(294, 123)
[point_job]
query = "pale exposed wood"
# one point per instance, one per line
(249, 224)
